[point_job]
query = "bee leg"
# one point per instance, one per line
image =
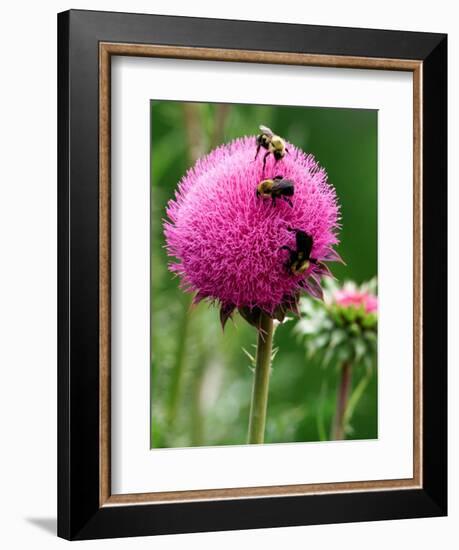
(264, 161)
(273, 200)
(292, 258)
(258, 150)
(288, 201)
(288, 263)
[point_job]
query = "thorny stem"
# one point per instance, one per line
(259, 403)
(338, 430)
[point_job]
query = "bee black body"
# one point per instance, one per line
(276, 188)
(300, 258)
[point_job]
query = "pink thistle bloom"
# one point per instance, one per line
(228, 242)
(353, 297)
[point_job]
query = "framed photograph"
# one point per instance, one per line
(252, 274)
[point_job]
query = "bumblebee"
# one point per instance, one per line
(276, 188)
(300, 258)
(274, 145)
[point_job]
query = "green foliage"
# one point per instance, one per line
(211, 406)
(336, 333)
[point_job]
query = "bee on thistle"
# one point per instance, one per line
(276, 188)
(274, 145)
(300, 257)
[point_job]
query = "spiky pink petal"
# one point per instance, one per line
(349, 297)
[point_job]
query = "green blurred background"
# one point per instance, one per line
(200, 377)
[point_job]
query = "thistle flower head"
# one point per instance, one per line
(228, 242)
(344, 326)
(351, 296)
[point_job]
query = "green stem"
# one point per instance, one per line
(197, 419)
(259, 404)
(222, 111)
(196, 147)
(320, 413)
(179, 365)
(355, 397)
(338, 430)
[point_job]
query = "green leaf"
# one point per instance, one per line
(367, 362)
(354, 329)
(306, 326)
(370, 336)
(370, 320)
(328, 356)
(322, 340)
(360, 349)
(337, 337)
(343, 352)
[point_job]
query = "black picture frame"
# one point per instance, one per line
(80, 515)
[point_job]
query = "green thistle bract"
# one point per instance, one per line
(344, 327)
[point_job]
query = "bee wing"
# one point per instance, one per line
(283, 184)
(266, 130)
(304, 243)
